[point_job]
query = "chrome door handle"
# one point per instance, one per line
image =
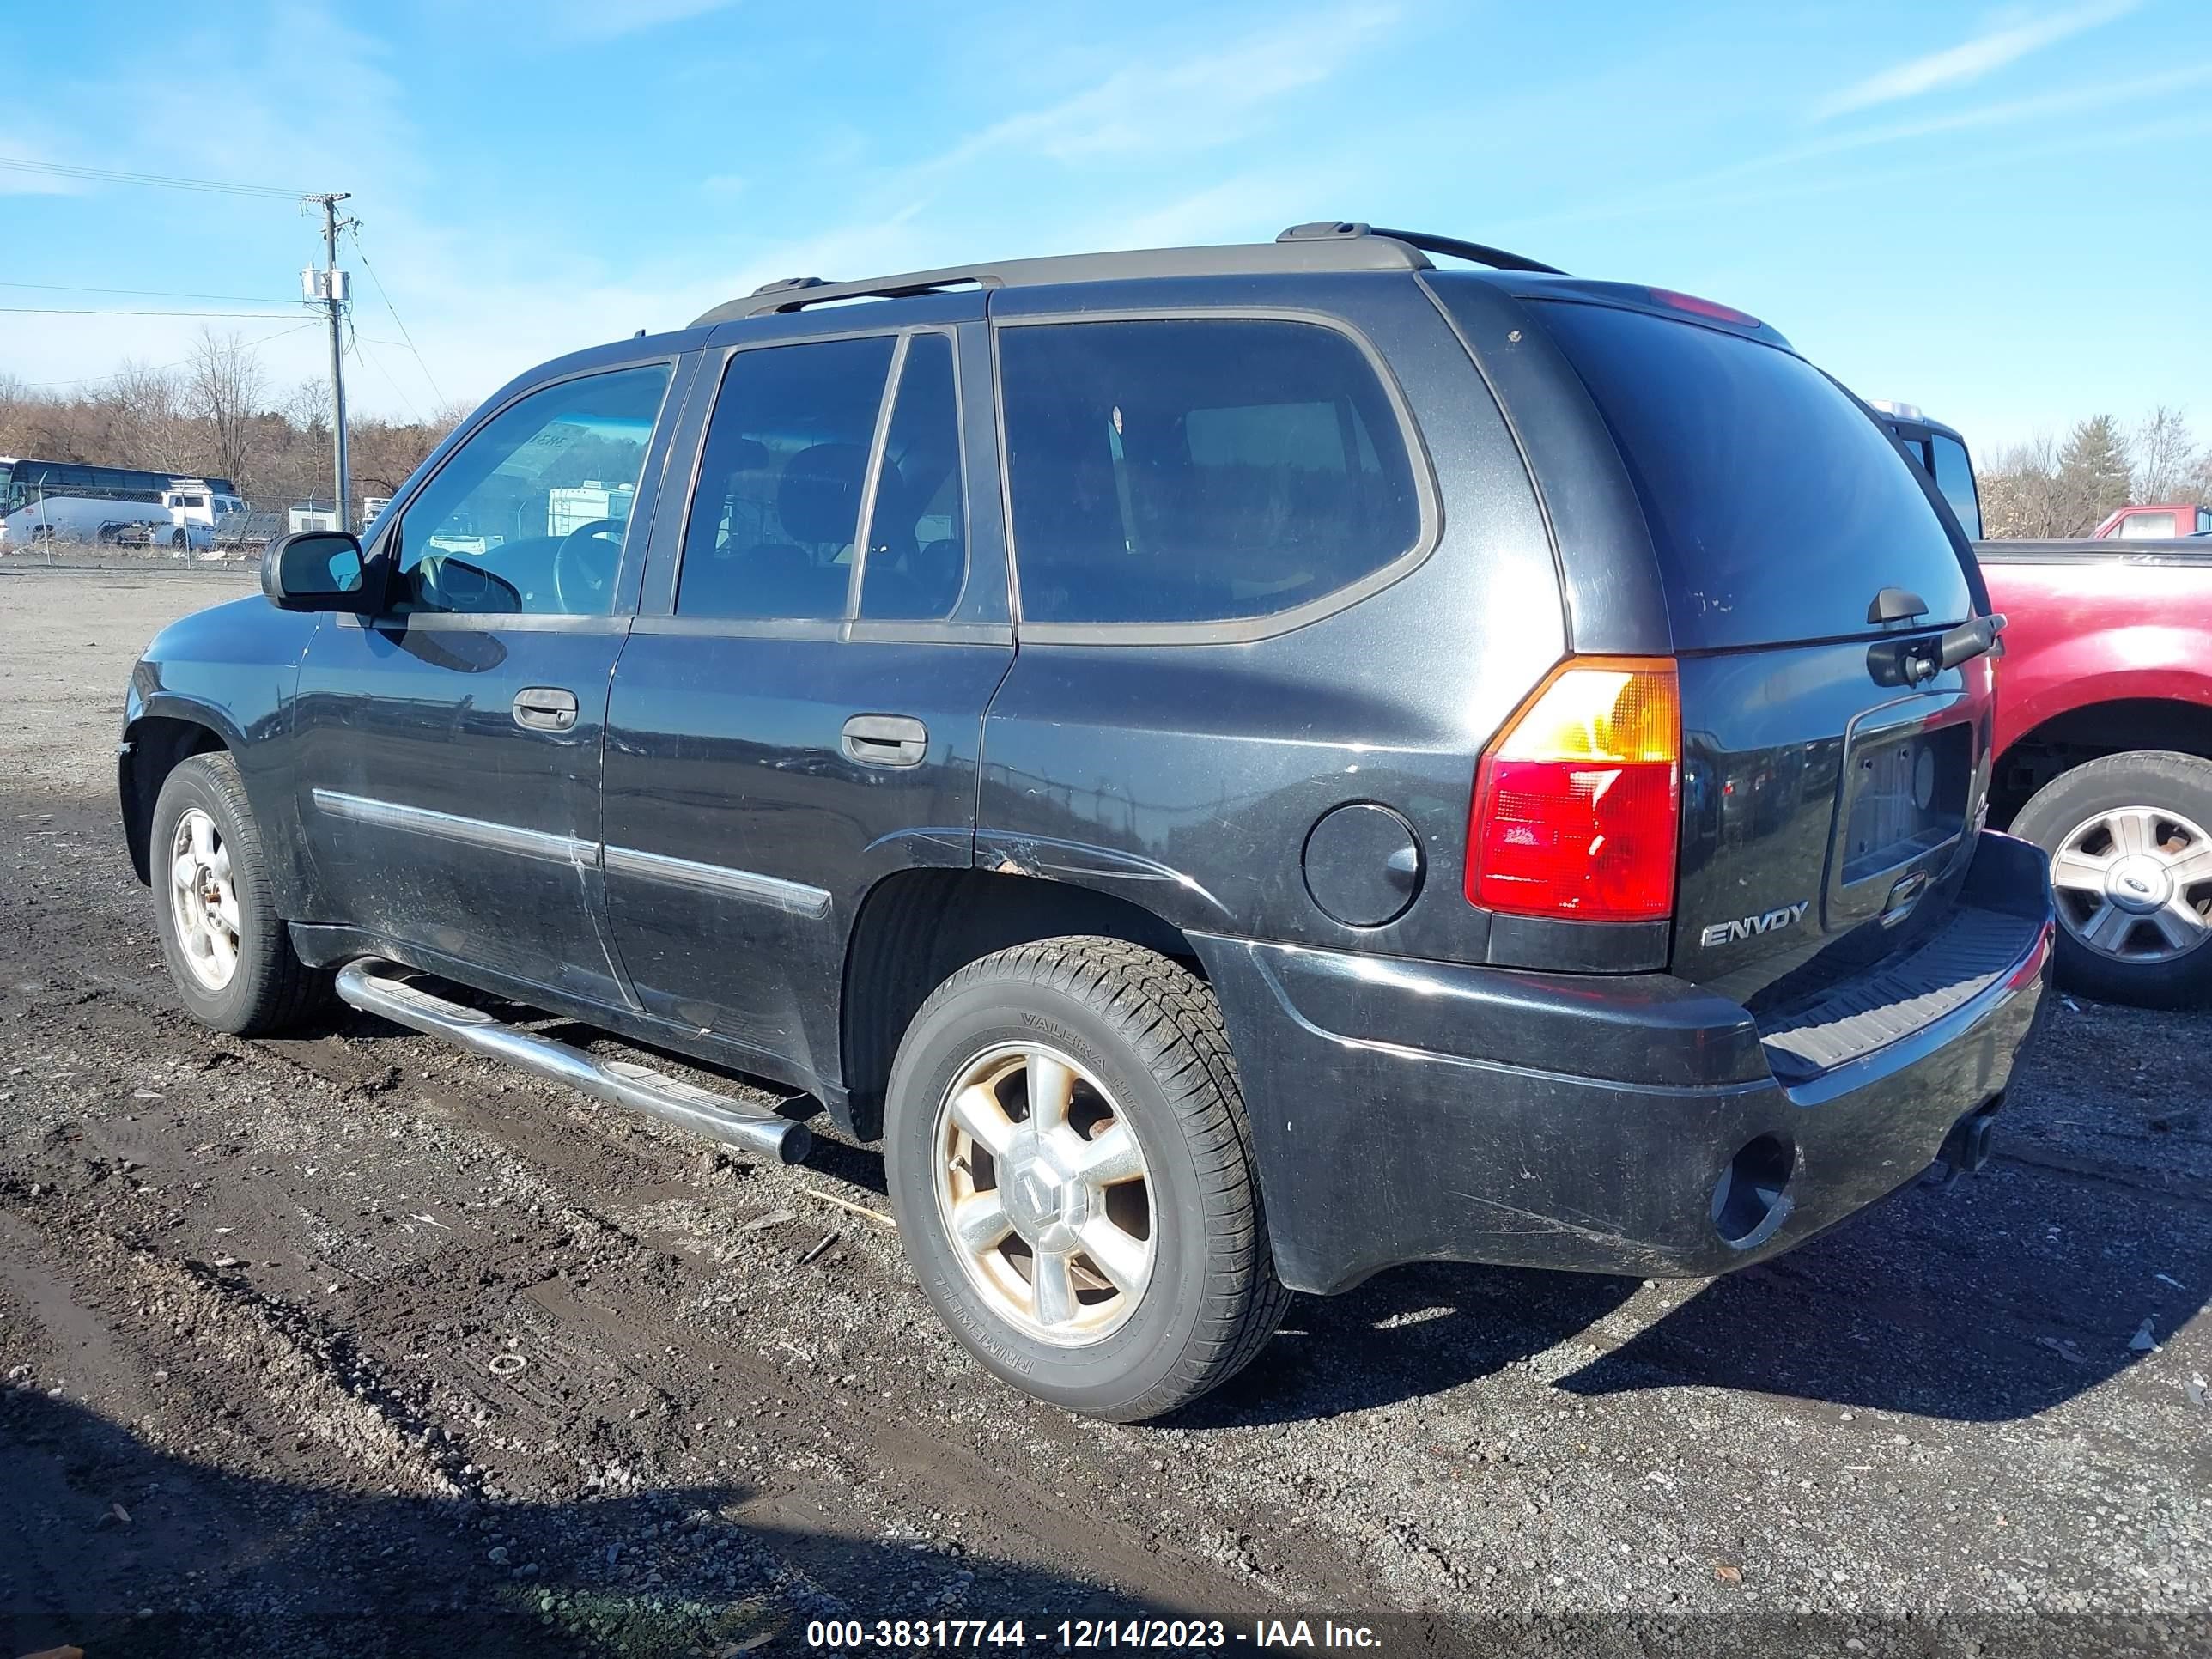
(885, 740)
(546, 708)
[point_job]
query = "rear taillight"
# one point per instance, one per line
(1577, 804)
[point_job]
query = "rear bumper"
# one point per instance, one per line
(1407, 1111)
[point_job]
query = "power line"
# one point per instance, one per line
(394, 310)
(361, 355)
(156, 368)
(145, 293)
(83, 311)
(149, 180)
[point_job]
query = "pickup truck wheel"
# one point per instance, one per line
(1071, 1173)
(2130, 838)
(226, 949)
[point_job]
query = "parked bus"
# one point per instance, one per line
(43, 501)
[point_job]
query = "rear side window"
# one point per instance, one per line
(918, 528)
(1205, 470)
(777, 509)
(1778, 509)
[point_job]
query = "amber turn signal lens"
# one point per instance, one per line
(1577, 804)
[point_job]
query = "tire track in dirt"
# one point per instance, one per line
(573, 1171)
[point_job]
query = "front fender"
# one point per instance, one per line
(224, 677)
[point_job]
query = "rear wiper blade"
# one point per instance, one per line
(1924, 660)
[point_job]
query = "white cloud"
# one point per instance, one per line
(1697, 193)
(1183, 102)
(609, 20)
(487, 294)
(1971, 59)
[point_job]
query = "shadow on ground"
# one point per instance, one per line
(1992, 1298)
(1997, 1298)
(97, 1525)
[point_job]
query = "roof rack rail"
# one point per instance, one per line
(1326, 230)
(1367, 253)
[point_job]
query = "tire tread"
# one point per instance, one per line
(1173, 1021)
(281, 991)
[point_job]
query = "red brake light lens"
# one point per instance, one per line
(1577, 805)
(1697, 307)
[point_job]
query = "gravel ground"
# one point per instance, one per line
(349, 1344)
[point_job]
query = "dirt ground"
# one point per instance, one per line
(349, 1344)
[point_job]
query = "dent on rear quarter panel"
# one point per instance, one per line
(233, 667)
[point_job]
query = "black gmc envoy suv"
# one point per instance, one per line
(1241, 765)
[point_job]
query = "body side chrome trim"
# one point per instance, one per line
(795, 897)
(449, 826)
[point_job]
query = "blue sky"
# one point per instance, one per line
(2000, 213)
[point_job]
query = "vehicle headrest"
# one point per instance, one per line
(740, 455)
(819, 496)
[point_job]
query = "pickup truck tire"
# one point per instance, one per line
(1127, 1059)
(227, 950)
(2130, 838)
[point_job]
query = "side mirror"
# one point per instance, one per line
(316, 570)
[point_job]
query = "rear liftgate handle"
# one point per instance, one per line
(885, 740)
(546, 708)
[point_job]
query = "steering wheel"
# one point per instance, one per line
(584, 567)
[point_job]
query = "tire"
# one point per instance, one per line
(267, 988)
(1145, 1039)
(2083, 818)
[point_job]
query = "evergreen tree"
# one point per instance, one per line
(2094, 474)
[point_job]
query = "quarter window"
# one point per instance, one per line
(1198, 470)
(1954, 477)
(918, 528)
(773, 523)
(527, 516)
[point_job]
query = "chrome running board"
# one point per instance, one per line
(379, 987)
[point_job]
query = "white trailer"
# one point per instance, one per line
(590, 502)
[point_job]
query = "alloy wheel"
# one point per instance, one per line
(1045, 1194)
(203, 899)
(2134, 883)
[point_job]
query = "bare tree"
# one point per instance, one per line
(307, 405)
(146, 417)
(225, 389)
(2164, 455)
(2019, 491)
(15, 399)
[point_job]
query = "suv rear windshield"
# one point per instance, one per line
(1778, 509)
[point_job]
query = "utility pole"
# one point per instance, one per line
(329, 286)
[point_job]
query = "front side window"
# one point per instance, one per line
(2147, 526)
(1199, 470)
(1954, 477)
(777, 510)
(918, 529)
(527, 516)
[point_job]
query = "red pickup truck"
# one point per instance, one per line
(2104, 735)
(2158, 521)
